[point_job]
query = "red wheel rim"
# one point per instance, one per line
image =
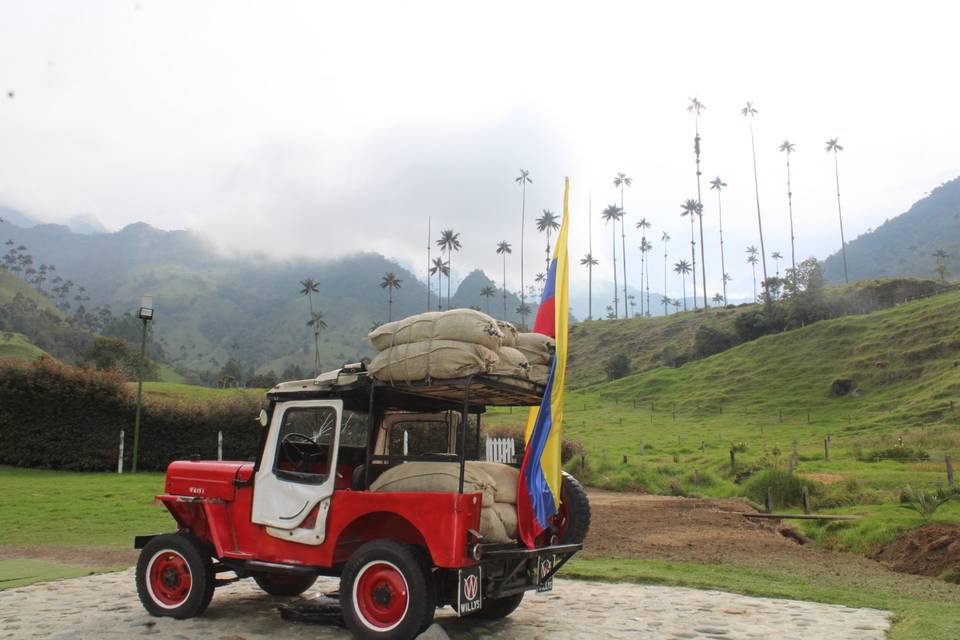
(380, 595)
(562, 519)
(169, 580)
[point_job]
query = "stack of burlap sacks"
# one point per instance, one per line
(495, 481)
(442, 345)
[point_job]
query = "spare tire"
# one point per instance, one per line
(573, 518)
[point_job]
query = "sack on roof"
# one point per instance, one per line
(434, 360)
(463, 325)
(509, 332)
(537, 347)
(512, 363)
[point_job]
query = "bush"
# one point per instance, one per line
(56, 416)
(709, 340)
(787, 488)
(898, 452)
(617, 367)
(848, 493)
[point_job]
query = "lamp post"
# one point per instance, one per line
(145, 313)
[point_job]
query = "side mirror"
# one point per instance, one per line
(263, 418)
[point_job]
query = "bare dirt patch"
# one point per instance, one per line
(93, 558)
(930, 550)
(825, 478)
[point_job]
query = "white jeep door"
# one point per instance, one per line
(298, 469)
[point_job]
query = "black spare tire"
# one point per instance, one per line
(573, 518)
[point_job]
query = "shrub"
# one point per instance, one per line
(787, 487)
(898, 452)
(617, 367)
(709, 340)
(56, 416)
(848, 493)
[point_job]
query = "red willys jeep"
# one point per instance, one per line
(304, 509)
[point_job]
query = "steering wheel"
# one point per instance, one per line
(296, 452)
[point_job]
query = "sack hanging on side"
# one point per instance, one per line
(537, 347)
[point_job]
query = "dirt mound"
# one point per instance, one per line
(930, 550)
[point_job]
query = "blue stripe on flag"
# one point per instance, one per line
(541, 497)
(550, 288)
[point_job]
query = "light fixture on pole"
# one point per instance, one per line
(145, 313)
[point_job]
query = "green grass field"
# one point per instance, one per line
(192, 393)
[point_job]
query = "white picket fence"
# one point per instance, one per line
(501, 450)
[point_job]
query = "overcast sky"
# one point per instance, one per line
(318, 129)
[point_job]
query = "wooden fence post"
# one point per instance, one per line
(794, 447)
(805, 495)
(826, 448)
(733, 461)
(769, 501)
(624, 459)
(696, 477)
(120, 457)
(781, 414)
(703, 445)
(808, 417)
(583, 462)
(949, 460)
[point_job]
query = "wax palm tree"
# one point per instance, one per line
(449, 242)
(665, 301)
(548, 222)
(317, 324)
(645, 247)
(488, 292)
(834, 146)
(717, 184)
(683, 268)
(541, 279)
(941, 268)
(523, 311)
(390, 281)
(665, 238)
(523, 180)
(718, 298)
(622, 181)
(752, 259)
(589, 262)
(695, 107)
(611, 214)
(777, 256)
(643, 225)
(749, 112)
(309, 287)
(788, 147)
(690, 209)
(440, 269)
(503, 249)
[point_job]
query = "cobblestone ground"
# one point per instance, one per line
(105, 607)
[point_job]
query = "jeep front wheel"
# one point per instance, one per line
(385, 592)
(175, 576)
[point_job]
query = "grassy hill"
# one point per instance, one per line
(11, 285)
(670, 430)
(17, 346)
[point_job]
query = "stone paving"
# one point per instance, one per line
(105, 607)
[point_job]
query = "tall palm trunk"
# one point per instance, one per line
(683, 282)
(754, 267)
(623, 235)
(793, 248)
(647, 260)
(390, 304)
(616, 301)
(590, 252)
(843, 243)
(523, 227)
(756, 191)
(641, 282)
(723, 264)
(449, 273)
(429, 242)
(504, 285)
(693, 258)
(703, 260)
(665, 272)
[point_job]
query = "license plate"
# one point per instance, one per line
(545, 565)
(469, 593)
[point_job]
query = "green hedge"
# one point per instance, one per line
(56, 416)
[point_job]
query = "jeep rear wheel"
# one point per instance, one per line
(386, 592)
(279, 584)
(496, 608)
(175, 576)
(573, 517)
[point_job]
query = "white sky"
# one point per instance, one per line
(318, 129)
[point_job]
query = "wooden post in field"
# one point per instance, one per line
(794, 447)
(769, 501)
(624, 459)
(733, 461)
(621, 421)
(120, 457)
(678, 439)
(808, 417)
(703, 445)
(826, 448)
(696, 477)
(634, 403)
(583, 462)
(220, 444)
(947, 458)
(651, 412)
(805, 495)
(781, 414)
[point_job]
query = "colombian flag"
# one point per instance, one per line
(538, 492)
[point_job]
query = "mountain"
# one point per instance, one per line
(211, 309)
(904, 245)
